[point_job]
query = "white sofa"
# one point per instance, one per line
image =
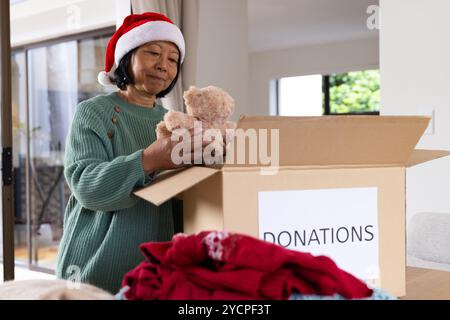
(428, 241)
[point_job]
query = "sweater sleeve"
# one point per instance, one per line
(97, 183)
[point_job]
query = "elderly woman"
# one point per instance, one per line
(112, 149)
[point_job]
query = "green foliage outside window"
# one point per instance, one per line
(355, 92)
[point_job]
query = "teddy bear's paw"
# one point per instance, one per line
(230, 125)
(161, 130)
(177, 120)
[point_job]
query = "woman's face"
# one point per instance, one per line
(154, 66)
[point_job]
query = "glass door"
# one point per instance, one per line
(52, 99)
(59, 77)
(48, 82)
(20, 145)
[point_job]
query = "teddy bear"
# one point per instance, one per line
(211, 105)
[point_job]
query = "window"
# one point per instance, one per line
(48, 81)
(336, 94)
(301, 96)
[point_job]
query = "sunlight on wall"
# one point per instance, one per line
(300, 96)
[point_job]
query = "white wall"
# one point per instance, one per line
(415, 67)
(217, 47)
(318, 59)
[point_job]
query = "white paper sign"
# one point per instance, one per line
(339, 223)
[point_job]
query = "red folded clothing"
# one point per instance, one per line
(222, 265)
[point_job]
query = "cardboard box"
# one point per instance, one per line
(339, 190)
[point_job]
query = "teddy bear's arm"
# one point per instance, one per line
(230, 125)
(176, 120)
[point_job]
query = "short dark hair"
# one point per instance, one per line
(123, 77)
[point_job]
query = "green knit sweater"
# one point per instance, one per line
(104, 223)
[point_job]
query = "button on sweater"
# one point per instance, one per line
(104, 223)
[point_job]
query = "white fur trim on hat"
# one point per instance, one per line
(104, 79)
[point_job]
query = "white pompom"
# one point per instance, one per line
(104, 79)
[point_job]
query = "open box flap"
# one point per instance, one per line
(173, 182)
(420, 156)
(332, 140)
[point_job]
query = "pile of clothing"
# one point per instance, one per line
(231, 266)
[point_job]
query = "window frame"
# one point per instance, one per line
(326, 100)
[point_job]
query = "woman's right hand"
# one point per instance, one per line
(158, 155)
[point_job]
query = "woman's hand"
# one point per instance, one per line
(158, 156)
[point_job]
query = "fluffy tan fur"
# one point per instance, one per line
(211, 105)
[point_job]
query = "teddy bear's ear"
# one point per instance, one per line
(188, 94)
(194, 90)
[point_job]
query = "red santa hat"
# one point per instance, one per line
(136, 30)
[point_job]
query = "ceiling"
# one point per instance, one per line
(279, 24)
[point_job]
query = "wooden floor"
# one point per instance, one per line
(46, 255)
(427, 284)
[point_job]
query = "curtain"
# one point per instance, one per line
(173, 10)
